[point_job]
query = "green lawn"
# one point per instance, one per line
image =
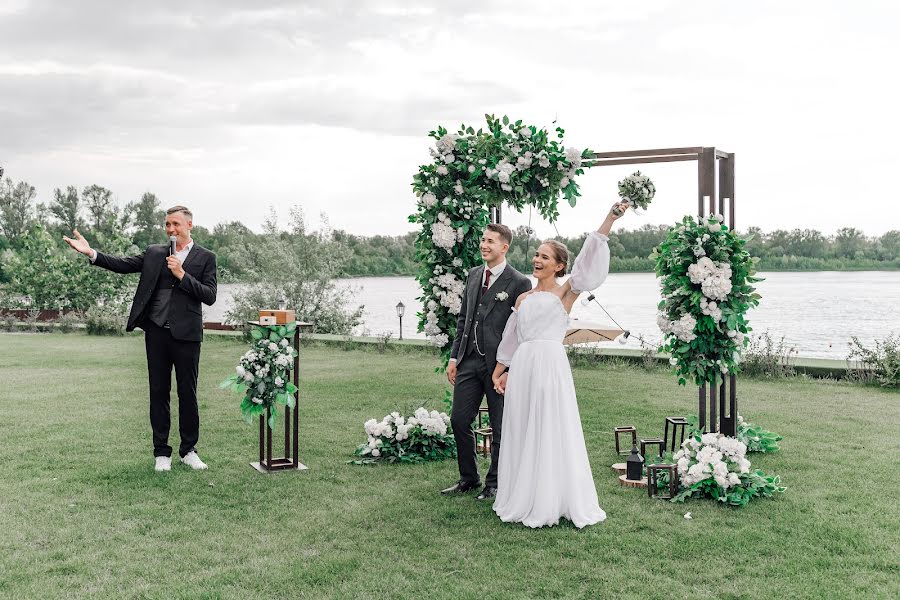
(82, 513)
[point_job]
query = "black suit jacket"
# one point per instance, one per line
(495, 312)
(198, 285)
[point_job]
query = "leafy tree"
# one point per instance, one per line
(66, 207)
(103, 213)
(296, 267)
(52, 276)
(849, 242)
(16, 210)
(147, 219)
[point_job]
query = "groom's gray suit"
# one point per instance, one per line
(478, 333)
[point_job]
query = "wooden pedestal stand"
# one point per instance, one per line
(291, 459)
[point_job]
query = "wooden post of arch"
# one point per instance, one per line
(711, 399)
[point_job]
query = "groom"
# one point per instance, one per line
(491, 292)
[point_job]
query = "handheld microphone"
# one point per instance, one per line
(172, 240)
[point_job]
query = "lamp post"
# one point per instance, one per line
(401, 308)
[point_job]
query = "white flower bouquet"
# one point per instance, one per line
(715, 465)
(425, 436)
(637, 190)
(263, 372)
(706, 279)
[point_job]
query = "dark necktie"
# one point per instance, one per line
(487, 282)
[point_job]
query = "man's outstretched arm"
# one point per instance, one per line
(128, 264)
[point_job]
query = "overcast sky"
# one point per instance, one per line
(231, 107)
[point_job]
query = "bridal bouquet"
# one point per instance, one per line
(263, 372)
(715, 465)
(425, 436)
(637, 190)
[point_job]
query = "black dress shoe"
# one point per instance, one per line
(460, 487)
(487, 492)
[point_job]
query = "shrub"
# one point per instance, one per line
(107, 319)
(881, 364)
(764, 357)
(67, 321)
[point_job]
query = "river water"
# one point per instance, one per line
(815, 312)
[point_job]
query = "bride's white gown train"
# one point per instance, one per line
(544, 472)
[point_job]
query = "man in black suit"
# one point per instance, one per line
(167, 307)
(491, 292)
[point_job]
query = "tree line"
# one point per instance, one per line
(30, 232)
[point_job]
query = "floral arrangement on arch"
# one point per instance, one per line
(706, 279)
(472, 171)
(715, 465)
(263, 373)
(425, 436)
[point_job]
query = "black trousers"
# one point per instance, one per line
(163, 353)
(473, 382)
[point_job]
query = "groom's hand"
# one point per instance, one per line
(451, 372)
(79, 243)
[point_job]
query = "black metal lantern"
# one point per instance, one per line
(401, 308)
(634, 465)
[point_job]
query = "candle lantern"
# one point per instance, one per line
(483, 432)
(634, 469)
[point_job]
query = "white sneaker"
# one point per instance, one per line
(163, 463)
(193, 461)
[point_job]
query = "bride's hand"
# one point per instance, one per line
(500, 383)
(618, 209)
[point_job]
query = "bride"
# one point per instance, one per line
(544, 473)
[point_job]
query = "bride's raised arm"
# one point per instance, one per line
(592, 264)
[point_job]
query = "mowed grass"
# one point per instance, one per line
(83, 514)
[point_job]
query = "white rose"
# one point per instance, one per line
(376, 452)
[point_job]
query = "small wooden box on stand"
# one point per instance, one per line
(290, 461)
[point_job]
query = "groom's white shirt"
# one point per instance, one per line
(495, 273)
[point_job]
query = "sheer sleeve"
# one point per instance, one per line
(510, 340)
(592, 264)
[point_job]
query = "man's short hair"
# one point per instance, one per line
(504, 231)
(181, 209)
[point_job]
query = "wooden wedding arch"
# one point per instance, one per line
(712, 197)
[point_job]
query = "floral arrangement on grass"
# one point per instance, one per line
(263, 374)
(425, 436)
(472, 171)
(715, 465)
(706, 279)
(637, 190)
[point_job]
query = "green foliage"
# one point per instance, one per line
(755, 484)
(50, 275)
(68, 320)
(16, 210)
(756, 438)
(109, 318)
(704, 326)
(881, 363)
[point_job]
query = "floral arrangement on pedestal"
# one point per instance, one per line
(706, 279)
(472, 171)
(715, 465)
(263, 374)
(425, 436)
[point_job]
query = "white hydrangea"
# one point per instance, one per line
(715, 456)
(429, 199)
(443, 235)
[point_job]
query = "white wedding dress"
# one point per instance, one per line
(543, 472)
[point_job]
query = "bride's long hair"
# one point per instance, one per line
(560, 254)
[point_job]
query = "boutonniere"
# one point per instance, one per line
(501, 296)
